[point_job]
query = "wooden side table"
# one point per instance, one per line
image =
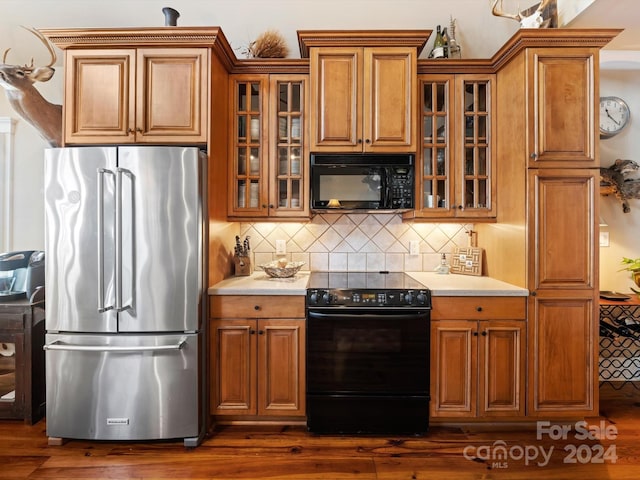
(619, 362)
(22, 374)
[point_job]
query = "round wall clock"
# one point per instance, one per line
(614, 116)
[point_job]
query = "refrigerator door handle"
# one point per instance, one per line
(59, 345)
(101, 302)
(118, 247)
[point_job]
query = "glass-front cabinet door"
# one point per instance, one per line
(269, 173)
(288, 172)
(436, 187)
(455, 161)
(476, 162)
(248, 189)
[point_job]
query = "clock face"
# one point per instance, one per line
(614, 115)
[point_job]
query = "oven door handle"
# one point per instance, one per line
(360, 312)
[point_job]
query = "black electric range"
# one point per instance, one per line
(367, 353)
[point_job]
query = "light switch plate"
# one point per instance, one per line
(281, 247)
(414, 247)
(604, 239)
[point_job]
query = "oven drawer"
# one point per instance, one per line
(257, 306)
(478, 308)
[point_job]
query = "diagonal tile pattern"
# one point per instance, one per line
(357, 242)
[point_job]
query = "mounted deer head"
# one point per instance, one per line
(534, 20)
(18, 83)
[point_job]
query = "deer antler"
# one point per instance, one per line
(499, 13)
(47, 44)
(518, 16)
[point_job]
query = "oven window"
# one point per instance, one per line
(355, 340)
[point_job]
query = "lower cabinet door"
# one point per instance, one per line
(281, 367)
(501, 380)
(258, 367)
(477, 368)
(233, 350)
(453, 368)
(563, 357)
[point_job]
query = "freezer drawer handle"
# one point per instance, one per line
(57, 345)
(101, 306)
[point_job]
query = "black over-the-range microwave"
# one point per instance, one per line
(362, 182)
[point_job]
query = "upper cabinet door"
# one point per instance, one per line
(146, 95)
(562, 216)
(172, 95)
(562, 99)
(336, 90)
(99, 96)
(363, 99)
(390, 91)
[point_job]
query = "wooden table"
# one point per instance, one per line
(619, 362)
(22, 373)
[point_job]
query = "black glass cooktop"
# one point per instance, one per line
(363, 280)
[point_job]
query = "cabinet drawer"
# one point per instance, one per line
(478, 308)
(257, 306)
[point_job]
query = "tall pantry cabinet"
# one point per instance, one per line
(547, 94)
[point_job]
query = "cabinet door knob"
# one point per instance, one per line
(475, 334)
(260, 332)
(359, 140)
(270, 205)
(252, 332)
(534, 155)
(139, 130)
(484, 334)
(478, 309)
(367, 141)
(129, 131)
(256, 307)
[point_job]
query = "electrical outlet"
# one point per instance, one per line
(414, 247)
(281, 247)
(604, 239)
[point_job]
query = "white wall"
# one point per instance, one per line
(620, 79)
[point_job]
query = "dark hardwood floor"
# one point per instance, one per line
(241, 452)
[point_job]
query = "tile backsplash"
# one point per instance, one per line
(357, 242)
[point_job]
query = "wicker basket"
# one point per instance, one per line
(273, 269)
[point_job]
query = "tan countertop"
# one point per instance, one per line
(259, 283)
(456, 285)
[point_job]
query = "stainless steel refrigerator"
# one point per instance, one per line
(124, 279)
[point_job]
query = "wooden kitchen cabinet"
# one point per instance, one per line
(136, 95)
(363, 99)
(563, 325)
(269, 176)
(257, 356)
(547, 99)
(363, 87)
(562, 122)
(478, 357)
(456, 161)
(22, 364)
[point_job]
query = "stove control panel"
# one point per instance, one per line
(368, 298)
